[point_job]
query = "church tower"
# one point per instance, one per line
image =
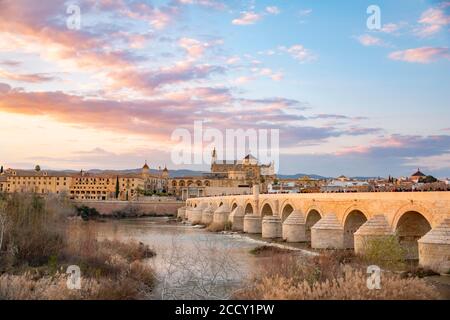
(165, 173)
(145, 169)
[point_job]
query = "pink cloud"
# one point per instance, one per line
(432, 21)
(368, 40)
(421, 55)
(247, 18)
(32, 78)
(299, 52)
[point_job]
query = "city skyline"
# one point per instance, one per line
(352, 101)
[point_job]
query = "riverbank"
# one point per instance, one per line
(39, 245)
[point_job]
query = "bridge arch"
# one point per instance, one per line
(286, 211)
(412, 207)
(266, 209)
(409, 228)
(353, 220)
(249, 209)
(313, 216)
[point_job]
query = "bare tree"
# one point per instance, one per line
(3, 220)
(208, 271)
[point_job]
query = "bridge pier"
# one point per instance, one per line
(375, 228)
(188, 213)
(271, 227)
(327, 233)
(207, 215)
(195, 216)
(434, 248)
(237, 219)
(252, 224)
(294, 227)
(221, 215)
(181, 213)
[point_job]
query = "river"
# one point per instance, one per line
(190, 263)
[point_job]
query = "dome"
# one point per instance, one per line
(146, 166)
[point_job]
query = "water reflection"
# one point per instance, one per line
(190, 263)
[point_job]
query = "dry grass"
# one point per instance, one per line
(40, 243)
(289, 277)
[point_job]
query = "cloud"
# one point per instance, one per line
(247, 18)
(4, 88)
(421, 55)
(273, 10)
(32, 78)
(402, 146)
(299, 52)
(150, 80)
(368, 41)
(305, 12)
(206, 3)
(432, 21)
(390, 27)
(157, 118)
(195, 48)
(10, 63)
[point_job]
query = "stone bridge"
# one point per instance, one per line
(419, 220)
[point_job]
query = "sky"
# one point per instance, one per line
(110, 91)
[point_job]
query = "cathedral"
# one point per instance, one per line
(225, 177)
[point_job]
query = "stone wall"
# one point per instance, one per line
(148, 207)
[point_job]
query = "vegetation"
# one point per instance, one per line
(38, 243)
(329, 276)
(428, 179)
(117, 187)
(87, 213)
(385, 252)
(268, 251)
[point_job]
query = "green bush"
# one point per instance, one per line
(385, 252)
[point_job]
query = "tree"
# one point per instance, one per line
(37, 168)
(428, 179)
(3, 220)
(117, 187)
(1, 170)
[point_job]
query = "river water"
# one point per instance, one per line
(190, 263)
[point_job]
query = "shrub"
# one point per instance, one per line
(385, 252)
(87, 213)
(34, 231)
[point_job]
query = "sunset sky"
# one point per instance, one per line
(346, 99)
